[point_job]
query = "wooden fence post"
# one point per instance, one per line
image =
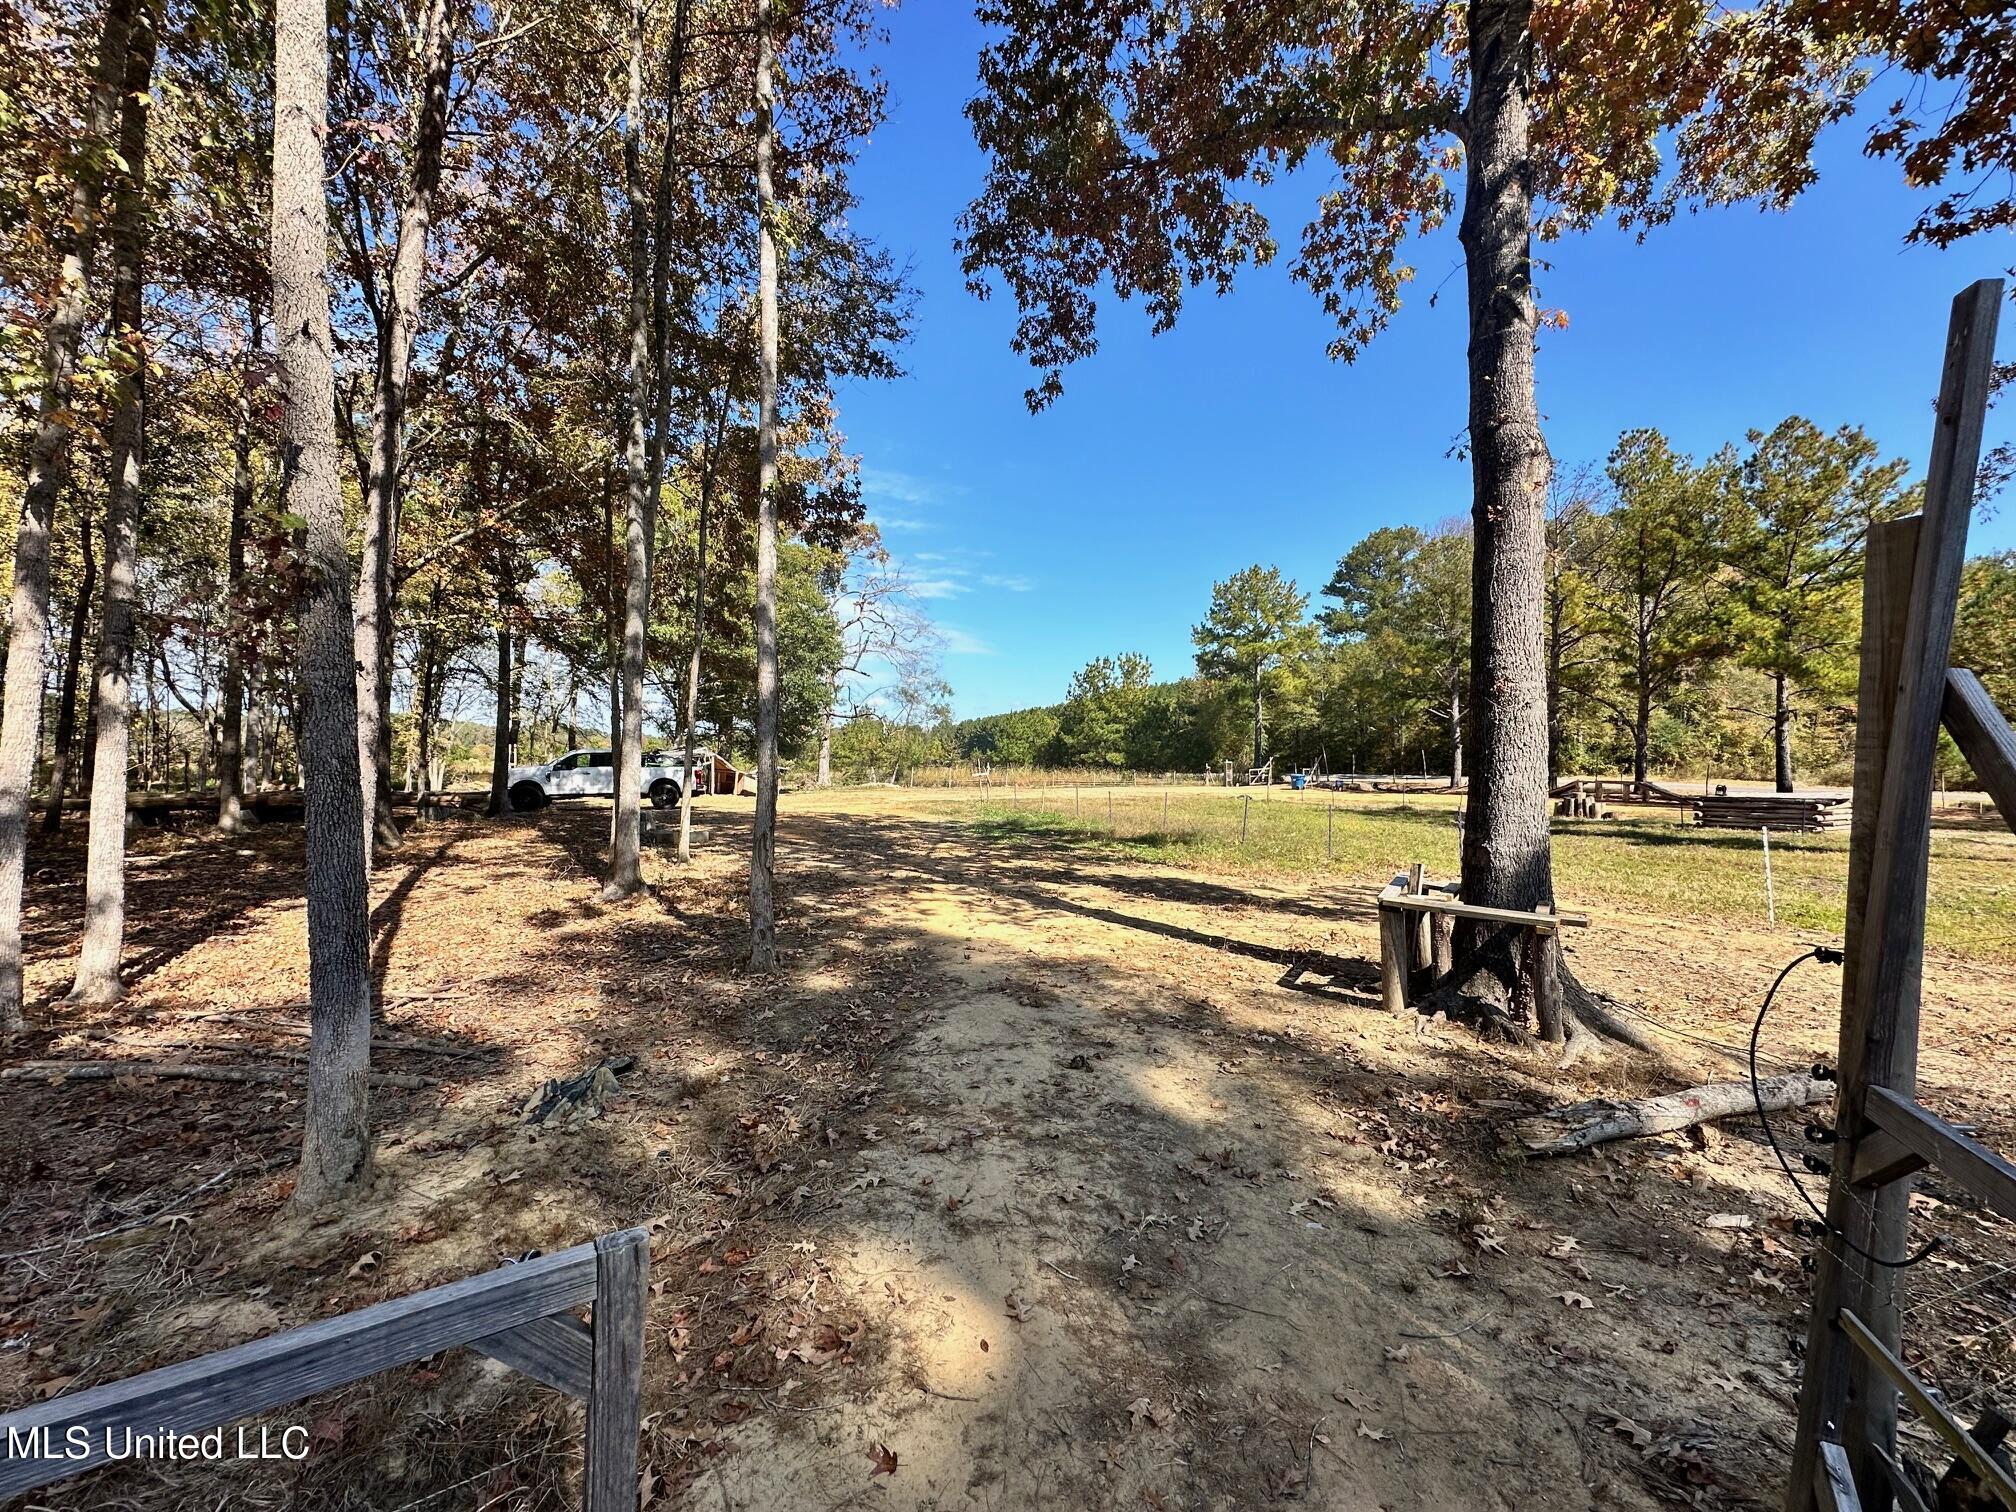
(1393, 959)
(1911, 594)
(616, 1398)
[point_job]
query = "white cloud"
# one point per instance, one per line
(1013, 582)
(937, 588)
(884, 483)
(896, 522)
(963, 643)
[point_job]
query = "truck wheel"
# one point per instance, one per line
(527, 796)
(664, 793)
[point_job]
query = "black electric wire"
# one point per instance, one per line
(1827, 955)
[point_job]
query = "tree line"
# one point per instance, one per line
(382, 369)
(1698, 614)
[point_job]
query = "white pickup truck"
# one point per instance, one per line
(592, 774)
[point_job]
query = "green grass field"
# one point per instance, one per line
(1649, 862)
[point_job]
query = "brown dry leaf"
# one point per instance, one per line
(366, 1264)
(1355, 1400)
(1398, 1352)
(1489, 1243)
(1456, 1270)
(1138, 1410)
(1641, 1437)
(53, 1385)
(884, 1458)
(1377, 1435)
(1565, 1245)
(1574, 1299)
(649, 1483)
(1018, 1307)
(1723, 1382)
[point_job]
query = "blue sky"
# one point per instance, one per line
(1099, 526)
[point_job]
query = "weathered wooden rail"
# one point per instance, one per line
(1417, 927)
(521, 1315)
(1845, 1454)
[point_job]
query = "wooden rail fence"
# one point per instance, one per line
(521, 1315)
(1845, 1453)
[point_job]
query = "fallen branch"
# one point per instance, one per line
(57, 1070)
(380, 1040)
(1565, 1130)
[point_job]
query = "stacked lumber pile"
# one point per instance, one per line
(1776, 811)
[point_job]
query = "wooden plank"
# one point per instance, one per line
(1907, 638)
(1902, 1486)
(1997, 1480)
(215, 1389)
(1984, 738)
(1965, 1162)
(1460, 910)
(1392, 957)
(1881, 1158)
(1833, 1483)
(558, 1351)
(616, 1400)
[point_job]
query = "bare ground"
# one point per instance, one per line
(1039, 1178)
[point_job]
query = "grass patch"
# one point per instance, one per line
(1651, 863)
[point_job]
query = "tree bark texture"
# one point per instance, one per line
(692, 709)
(48, 468)
(626, 868)
(97, 978)
(1506, 857)
(1781, 733)
(336, 1139)
(375, 577)
(763, 846)
(500, 738)
(63, 750)
(231, 747)
(1259, 720)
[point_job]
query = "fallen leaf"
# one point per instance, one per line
(366, 1264)
(1574, 1299)
(1377, 1435)
(1726, 1221)
(1398, 1352)
(885, 1460)
(1640, 1436)
(1018, 1307)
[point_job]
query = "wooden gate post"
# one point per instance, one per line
(616, 1396)
(1911, 593)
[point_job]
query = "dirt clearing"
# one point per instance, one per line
(1041, 1177)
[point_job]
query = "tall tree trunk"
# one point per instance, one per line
(105, 863)
(336, 1140)
(231, 753)
(500, 736)
(375, 580)
(1259, 721)
(763, 844)
(64, 745)
(826, 739)
(1506, 859)
(48, 468)
(1456, 736)
(692, 709)
(1641, 720)
(1781, 733)
(626, 872)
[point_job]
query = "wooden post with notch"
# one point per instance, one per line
(1910, 597)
